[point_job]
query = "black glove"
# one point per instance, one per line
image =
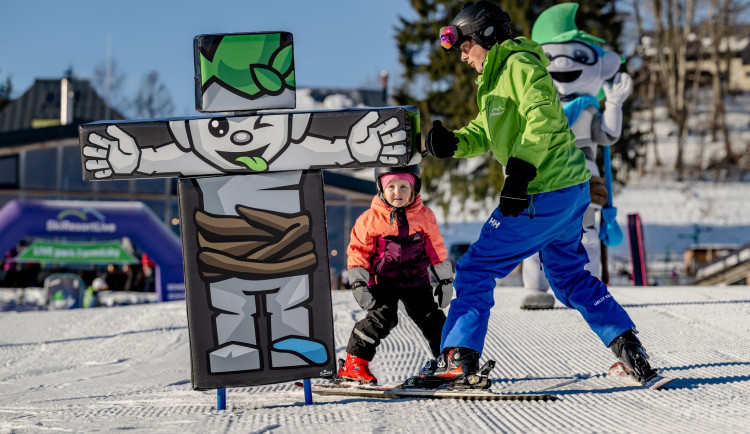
(440, 142)
(444, 292)
(363, 295)
(513, 197)
(443, 273)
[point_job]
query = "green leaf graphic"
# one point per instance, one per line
(266, 78)
(283, 60)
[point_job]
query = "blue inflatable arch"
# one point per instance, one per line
(102, 220)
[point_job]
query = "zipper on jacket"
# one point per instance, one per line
(532, 209)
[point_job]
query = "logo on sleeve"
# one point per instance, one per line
(497, 111)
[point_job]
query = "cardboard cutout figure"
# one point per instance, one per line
(245, 144)
(252, 209)
(579, 68)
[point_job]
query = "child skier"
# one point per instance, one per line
(392, 246)
(542, 201)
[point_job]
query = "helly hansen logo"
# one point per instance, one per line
(494, 223)
(497, 111)
(598, 302)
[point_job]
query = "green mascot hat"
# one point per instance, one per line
(557, 24)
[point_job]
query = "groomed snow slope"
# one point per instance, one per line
(127, 368)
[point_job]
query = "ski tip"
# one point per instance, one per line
(658, 383)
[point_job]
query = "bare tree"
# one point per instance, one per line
(723, 16)
(673, 26)
(648, 101)
(689, 38)
(153, 99)
(109, 82)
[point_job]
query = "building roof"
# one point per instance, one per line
(39, 106)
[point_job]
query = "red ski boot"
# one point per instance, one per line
(453, 364)
(457, 368)
(357, 369)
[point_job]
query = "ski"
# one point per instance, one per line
(619, 372)
(350, 385)
(475, 387)
(399, 392)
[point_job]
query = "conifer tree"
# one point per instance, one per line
(6, 89)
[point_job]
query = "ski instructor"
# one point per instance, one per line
(542, 202)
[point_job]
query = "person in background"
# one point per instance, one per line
(147, 266)
(11, 268)
(91, 296)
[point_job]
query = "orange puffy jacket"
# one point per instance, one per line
(396, 254)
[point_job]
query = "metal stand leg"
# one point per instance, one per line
(308, 391)
(221, 399)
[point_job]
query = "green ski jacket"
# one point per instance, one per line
(520, 116)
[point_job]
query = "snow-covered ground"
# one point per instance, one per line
(128, 368)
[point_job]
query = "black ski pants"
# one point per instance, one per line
(383, 317)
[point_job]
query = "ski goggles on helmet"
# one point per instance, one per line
(451, 38)
(576, 51)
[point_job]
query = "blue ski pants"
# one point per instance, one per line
(554, 232)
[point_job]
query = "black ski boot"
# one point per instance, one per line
(629, 350)
(456, 367)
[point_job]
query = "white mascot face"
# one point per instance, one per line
(578, 68)
(236, 143)
(242, 143)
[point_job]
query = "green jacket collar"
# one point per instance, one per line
(499, 53)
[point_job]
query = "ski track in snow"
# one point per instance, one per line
(128, 368)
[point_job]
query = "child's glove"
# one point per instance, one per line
(598, 191)
(359, 277)
(443, 273)
(513, 196)
(440, 142)
(363, 295)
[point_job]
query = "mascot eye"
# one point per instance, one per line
(218, 127)
(581, 56)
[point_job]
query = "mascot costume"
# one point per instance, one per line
(579, 69)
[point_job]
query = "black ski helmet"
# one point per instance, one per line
(413, 170)
(484, 22)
